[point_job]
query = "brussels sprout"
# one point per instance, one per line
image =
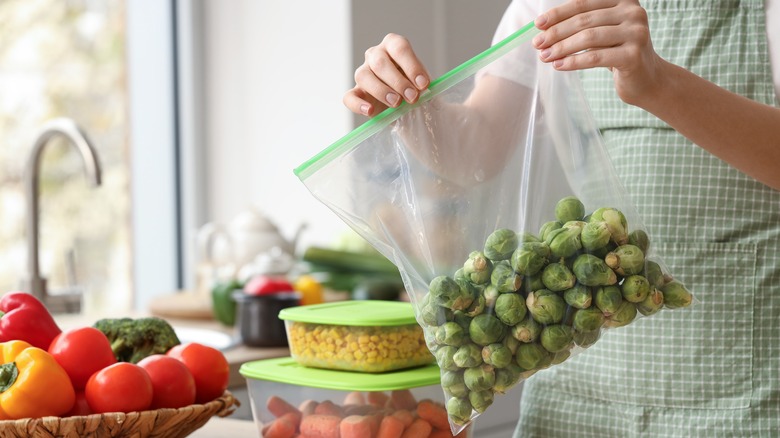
(587, 320)
(477, 268)
(527, 330)
(569, 209)
(564, 242)
(652, 304)
(595, 235)
(477, 306)
(624, 315)
(491, 294)
(578, 296)
(480, 400)
(511, 343)
(558, 277)
(452, 294)
(556, 337)
(459, 410)
(608, 299)
(445, 357)
(497, 355)
(532, 283)
(615, 220)
(504, 278)
(639, 239)
(530, 257)
(586, 339)
(450, 333)
(453, 383)
(501, 244)
(507, 378)
(654, 274)
(510, 308)
(526, 237)
(462, 319)
(486, 329)
(531, 356)
(635, 288)
(547, 227)
(545, 306)
(434, 315)
(460, 274)
(575, 224)
(560, 356)
(592, 271)
(480, 378)
(676, 295)
(626, 260)
(467, 355)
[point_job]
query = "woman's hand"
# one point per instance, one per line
(583, 34)
(391, 72)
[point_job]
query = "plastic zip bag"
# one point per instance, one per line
(495, 197)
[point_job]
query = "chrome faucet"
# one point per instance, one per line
(35, 283)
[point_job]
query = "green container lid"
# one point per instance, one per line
(287, 370)
(353, 313)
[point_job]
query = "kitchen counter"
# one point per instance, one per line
(222, 427)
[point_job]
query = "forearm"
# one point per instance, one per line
(741, 132)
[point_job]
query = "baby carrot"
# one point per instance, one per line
(355, 426)
(277, 406)
(403, 399)
(390, 427)
(320, 426)
(283, 427)
(354, 398)
(327, 407)
(419, 429)
(434, 414)
(307, 407)
(378, 399)
(405, 416)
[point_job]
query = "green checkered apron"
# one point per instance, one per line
(712, 370)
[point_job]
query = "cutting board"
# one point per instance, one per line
(182, 305)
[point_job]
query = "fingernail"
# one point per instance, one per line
(410, 94)
(538, 40)
(365, 108)
(392, 99)
(545, 53)
(540, 20)
(421, 81)
(558, 63)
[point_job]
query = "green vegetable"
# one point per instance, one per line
(639, 239)
(547, 227)
(480, 378)
(556, 337)
(134, 339)
(433, 315)
(545, 306)
(462, 319)
(507, 377)
(654, 274)
(587, 320)
(477, 306)
(676, 295)
(450, 293)
(527, 330)
(452, 382)
(504, 278)
(501, 244)
(586, 339)
(445, 357)
(532, 283)
(486, 329)
(608, 299)
(595, 235)
(530, 257)
(477, 268)
(459, 410)
(511, 343)
(468, 355)
(491, 294)
(510, 308)
(497, 355)
(652, 304)
(569, 209)
(578, 296)
(564, 242)
(592, 271)
(615, 220)
(349, 261)
(623, 316)
(450, 333)
(530, 356)
(223, 304)
(480, 400)
(626, 260)
(635, 288)
(558, 277)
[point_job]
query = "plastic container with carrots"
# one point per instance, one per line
(288, 399)
(367, 336)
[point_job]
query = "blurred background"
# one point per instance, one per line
(199, 111)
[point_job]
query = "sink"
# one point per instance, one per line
(213, 338)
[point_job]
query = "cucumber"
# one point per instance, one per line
(347, 261)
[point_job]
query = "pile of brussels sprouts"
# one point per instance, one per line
(523, 302)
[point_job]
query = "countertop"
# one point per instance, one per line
(223, 427)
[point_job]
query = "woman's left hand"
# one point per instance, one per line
(582, 34)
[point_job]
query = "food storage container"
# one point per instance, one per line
(368, 336)
(287, 398)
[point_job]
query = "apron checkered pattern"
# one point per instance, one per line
(712, 370)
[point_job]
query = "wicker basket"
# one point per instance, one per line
(171, 423)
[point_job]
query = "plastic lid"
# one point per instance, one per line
(353, 313)
(287, 370)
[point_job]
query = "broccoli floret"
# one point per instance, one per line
(134, 339)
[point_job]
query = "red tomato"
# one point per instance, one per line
(81, 407)
(82, 352)
(172, 382)
(207, 365)
(121, 387)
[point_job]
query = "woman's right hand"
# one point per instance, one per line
(391, 72)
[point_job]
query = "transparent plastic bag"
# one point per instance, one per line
(495, 197)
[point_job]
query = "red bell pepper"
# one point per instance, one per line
(266, 285)
(24, 318)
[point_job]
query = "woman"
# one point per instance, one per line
(688, 108)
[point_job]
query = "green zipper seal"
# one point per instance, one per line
(388, 116)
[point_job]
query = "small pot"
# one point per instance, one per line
(258, 318)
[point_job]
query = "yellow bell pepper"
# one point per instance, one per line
(32, 383)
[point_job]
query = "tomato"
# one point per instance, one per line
(121, 387)
(207, 365)
(81, 407)
(172, 382)
(82, 352)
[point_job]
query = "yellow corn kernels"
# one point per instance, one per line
(366, 349)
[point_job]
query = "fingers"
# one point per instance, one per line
(357, 101)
